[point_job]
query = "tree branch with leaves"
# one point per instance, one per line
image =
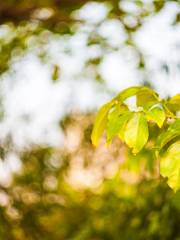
(132, 127)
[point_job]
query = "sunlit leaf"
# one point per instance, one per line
(172, 132)
(170, 166)
(132, 91)
(136, 132)
(150, 104)
(123, 122)
(145, 97)
(101, 121)
(115, 121)
(174, 103)
(175, 99)
(156, 115)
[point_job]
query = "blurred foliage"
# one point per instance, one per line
(43, 201)
(78, 192)
(26, 19)
(60, 11)
(41, 205)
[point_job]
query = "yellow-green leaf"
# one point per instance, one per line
(145, 97)
(172, 132)
(174, 103)
(170, 166)
(136, 132)
(101, 121)
(175, 99)
(116, 125)
(123, 122)
(132, 91)
(156, 115)
(115, 121)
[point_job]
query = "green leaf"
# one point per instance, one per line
(170, 166)
(157, 115)
(172, 132)
(131, 91)
(175, 99)
(150, 104)
(123, 122)
(101, 121)
(115, 121)
(174, 103)
(136, 132)
(145, 97)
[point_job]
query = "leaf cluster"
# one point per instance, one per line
(132, 127)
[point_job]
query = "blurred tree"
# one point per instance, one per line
(24, 19)
(110, 214)
(52, 12)
(79, 192)
(42, 202)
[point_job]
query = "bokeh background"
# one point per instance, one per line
(60, 60)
